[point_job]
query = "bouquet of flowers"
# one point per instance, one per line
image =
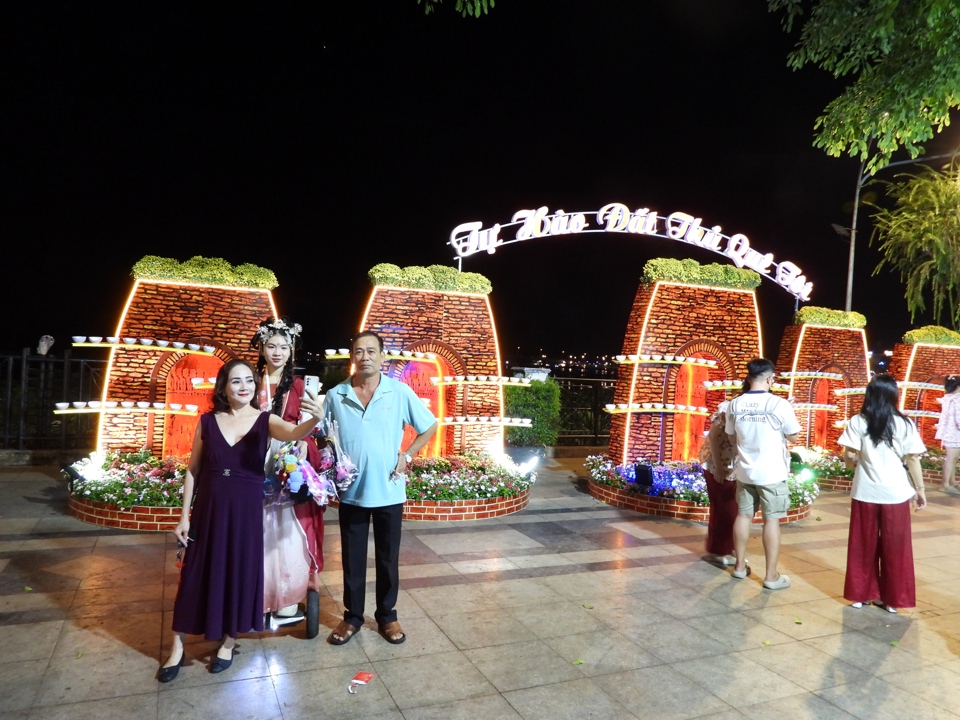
(334, 462)
(299, 481)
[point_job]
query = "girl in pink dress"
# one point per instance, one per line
(948, 432)
(292, 534)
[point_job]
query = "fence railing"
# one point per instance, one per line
(582, 418)
(31, 384)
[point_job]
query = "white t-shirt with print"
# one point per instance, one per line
(760, 421)
(880, 476)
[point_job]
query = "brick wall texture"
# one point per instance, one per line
(687, 320)
(928, 364)
(225, 318)
(460, 330)
(817, 348)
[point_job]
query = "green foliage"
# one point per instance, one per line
(415, 276)
(386, 274)
(255, 276)
(540, 401)
(210, 271)
(435, 277)
(905, 61)
(690, 271)
(215, 271)
(466, 8)
(444, 277)
(153, 267)
(813, 315)
(472, 282)
(920, 237)
(933, 335)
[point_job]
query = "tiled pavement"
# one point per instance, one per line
(569, 609)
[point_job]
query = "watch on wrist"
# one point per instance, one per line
(408, 457)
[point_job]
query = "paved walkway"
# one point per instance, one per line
(569, 609)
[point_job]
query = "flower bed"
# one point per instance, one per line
(465, 487)
(671, 507)
(679, 489)
(137, 491)
(128, 480)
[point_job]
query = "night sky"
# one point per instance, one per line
(321, 141)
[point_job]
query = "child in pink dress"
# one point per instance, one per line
(948, 432)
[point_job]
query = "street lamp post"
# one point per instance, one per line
(851, 232)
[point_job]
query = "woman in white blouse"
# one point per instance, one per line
(885, 448)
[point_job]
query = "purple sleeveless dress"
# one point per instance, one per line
(221, 582)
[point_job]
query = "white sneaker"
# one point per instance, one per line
(856, 605)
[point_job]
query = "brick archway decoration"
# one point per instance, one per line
(224, 317)
(459, 328)
(823, 348)
(925, 363)
(669, 318)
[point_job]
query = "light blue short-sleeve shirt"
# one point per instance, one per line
(371, 436)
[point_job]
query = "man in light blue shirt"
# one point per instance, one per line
(371, 411)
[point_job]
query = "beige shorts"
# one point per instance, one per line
(773, 500)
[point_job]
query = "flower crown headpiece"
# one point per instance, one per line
(269, 328)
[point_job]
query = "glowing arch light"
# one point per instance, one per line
(470, 238)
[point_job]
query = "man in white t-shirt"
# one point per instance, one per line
(760, 425)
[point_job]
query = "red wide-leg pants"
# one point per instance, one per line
(880, 555)
(723, 511)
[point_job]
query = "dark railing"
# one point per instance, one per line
(582, 418)
(31, 384)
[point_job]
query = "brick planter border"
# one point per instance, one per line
(845, 484)
(163, 519)
(147, 519)
(836, 482)
(465, 509)
(443, 510)
(668, 507)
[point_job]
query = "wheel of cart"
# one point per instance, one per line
(313, 614)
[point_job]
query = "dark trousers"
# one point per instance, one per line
(354, 531)
(880, 555)
(723, 511)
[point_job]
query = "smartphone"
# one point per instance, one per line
(311, 383)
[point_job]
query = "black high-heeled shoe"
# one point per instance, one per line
(170, 673)
(219, 664)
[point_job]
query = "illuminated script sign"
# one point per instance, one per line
(470, 238)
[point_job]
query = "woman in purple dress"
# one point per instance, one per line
(221, 583)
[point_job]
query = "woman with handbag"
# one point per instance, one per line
(716, 457)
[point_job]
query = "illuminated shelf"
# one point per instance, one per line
(661, 411)
(649, 360)
(391, 355)
(738, 385)
(921, 386)
(921, 413)
(815, 406)
(497, 380)
(140, 346)
(154, 411)
(485, 420)
(843, 392)
(811, 374)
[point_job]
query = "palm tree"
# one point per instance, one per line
(920, 237)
